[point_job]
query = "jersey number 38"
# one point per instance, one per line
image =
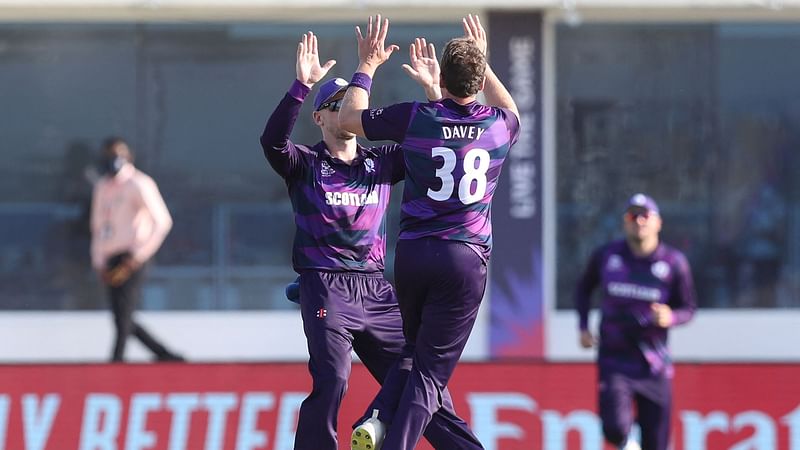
(473, 174)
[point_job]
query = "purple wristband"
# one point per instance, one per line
(362, 80)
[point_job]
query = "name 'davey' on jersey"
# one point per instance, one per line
(462, 132)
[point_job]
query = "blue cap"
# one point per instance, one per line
(643, 201)
(328, 90)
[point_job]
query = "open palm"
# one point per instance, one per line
(474, 29)
(309, 70)
(423, 67)
(371, 48)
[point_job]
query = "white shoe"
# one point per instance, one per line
(632, 445)
(368, 435)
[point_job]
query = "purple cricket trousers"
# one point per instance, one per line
(440, 285)
(353, 311)
(653, 398)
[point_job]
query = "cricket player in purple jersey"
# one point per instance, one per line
(454, 149)
(339, 192)
(647, 288)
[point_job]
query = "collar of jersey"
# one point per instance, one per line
(322, 150)
(469, 108)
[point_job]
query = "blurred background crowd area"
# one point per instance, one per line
(705, 117)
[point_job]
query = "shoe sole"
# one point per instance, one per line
(362, 439)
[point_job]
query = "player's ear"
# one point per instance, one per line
(317, 117)
(483, 83)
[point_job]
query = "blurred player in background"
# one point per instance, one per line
(647, 288)
(129, 222)
(339, 192)
(454, 149)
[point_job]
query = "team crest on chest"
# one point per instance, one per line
(660, 269)
(369, 164)
(326, 170)
(614, 263)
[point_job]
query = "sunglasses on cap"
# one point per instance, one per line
(333, 105)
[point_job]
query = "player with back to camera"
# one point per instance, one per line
(454, 149)
(646, 288)
(339, 192)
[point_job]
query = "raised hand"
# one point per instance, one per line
(473, 29)
(308, 68)
(371, 50)
(424, 68)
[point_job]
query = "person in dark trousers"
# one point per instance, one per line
(646, 288)
(454, 149)
(129, 221)
(339, 192)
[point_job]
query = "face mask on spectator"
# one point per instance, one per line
(113, 164)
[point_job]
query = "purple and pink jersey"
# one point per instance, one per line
(630, 341)
(339, 208)
(453, 156)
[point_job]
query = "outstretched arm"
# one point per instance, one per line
(371, 54)
(494, 91)
(279, 151)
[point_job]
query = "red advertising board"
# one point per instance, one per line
(518, 406)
